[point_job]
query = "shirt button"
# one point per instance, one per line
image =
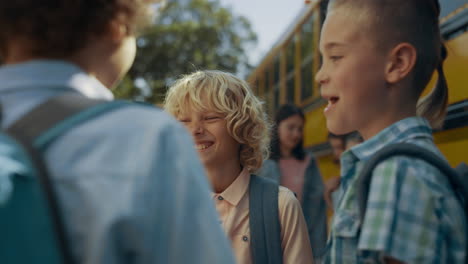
(245, 238)
(220, 198)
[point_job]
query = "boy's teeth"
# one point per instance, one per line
(328, 106)
(200, 147)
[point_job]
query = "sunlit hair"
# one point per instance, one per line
(390, 22)
(226, 94)
(58, 28)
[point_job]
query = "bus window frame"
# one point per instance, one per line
(316, 16)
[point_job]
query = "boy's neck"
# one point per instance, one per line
(376, 126)
(222, 176)
(94, 64)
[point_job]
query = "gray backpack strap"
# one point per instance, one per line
(50, 113)
(265, 228)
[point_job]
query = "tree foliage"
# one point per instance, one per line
(190, 35)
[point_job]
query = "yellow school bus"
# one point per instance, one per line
(286, 75)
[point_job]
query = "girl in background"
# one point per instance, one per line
(292, 168)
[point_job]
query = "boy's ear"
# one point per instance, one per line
(401, 61)
(118, 29)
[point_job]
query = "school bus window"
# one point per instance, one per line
(267, 85)
(271, 104)
(290, 73)
(447, 7)
(271, 94)
(307, 82)
(307, 37)
(276, 70)
(276, 82)
(256, 85)
(276, 96)
(290, 56)
(307, 49)
(267, 103)
(261, 83)
(455, 23)
(290, 86)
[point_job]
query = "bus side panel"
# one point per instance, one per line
(453, 144)
(456, 68)
(315, 129)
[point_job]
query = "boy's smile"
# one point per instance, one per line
(332, 101)
(213, 142)
(203, 145)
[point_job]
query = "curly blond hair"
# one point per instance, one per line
(225, 93)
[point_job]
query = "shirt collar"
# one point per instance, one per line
(234, 193)
(51, 74)
(401, 131)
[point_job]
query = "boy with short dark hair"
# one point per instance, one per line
(128, 186)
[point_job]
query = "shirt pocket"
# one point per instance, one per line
(346, 224)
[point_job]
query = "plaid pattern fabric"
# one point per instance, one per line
(412, 214)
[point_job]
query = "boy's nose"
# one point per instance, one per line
(320, 77)
(197, 128)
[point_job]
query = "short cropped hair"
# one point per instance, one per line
(390, 22)
(58, 28)
(225, 93)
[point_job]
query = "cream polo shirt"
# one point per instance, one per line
(233, 208)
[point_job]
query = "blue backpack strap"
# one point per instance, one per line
(265, 228)
(35, 131)
(411, 150)
(27, 235)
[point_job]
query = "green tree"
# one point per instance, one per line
(189, 35)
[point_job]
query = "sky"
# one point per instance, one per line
(269, 19)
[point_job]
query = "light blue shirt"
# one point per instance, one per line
(127, 182)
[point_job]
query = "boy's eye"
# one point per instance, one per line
(212, 118)
(335, 58)
(184, 120)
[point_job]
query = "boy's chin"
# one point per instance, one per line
(208, 161)
(337, 127)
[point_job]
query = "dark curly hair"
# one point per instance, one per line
(58, 28)
(286, 111)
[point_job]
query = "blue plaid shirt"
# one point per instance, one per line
(412, 214)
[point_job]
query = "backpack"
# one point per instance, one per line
(265, 228)
(31, 225)
(458, 177)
